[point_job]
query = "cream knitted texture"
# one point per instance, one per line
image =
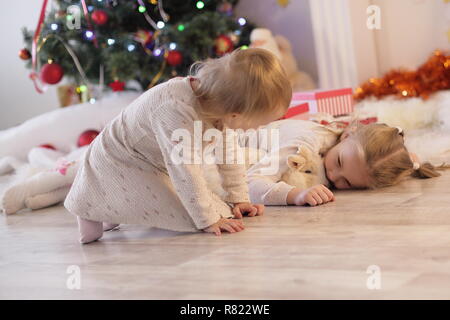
(128, 176)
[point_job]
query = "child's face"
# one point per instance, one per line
(345, 166)
(238, 121)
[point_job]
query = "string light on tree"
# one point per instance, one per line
(89, 35)
(82, 88)
(157, 52)
(200, 4)
(242, 21)
(167, 42)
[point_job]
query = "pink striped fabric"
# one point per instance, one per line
(335, 102)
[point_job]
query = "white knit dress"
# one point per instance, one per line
(127, 175)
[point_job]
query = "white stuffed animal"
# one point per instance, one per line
(306, 169)
(43, 182)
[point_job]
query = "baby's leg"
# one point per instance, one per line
(90, 231)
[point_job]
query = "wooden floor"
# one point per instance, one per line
(290, 253)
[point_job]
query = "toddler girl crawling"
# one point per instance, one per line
(128, 174)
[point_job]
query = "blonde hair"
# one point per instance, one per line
(249, 82)
(387, 159)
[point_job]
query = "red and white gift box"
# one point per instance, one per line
(335, 102)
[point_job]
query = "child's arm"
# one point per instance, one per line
(234, 178)
(233, 173)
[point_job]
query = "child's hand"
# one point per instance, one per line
(249, 208)
(313, 196)
(230, 225)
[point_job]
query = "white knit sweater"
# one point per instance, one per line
(127, 175)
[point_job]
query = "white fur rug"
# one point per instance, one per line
(426, 123)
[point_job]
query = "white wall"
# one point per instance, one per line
(363, 41)
(18, 98)
(293, 22)
(410, 31)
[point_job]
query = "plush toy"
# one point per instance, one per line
(306, 169)
(282, 49)
(40, 190)
(43, 182)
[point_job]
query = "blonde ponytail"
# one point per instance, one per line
(425, 171)
(388, 161)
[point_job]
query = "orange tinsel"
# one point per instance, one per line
(432, 76)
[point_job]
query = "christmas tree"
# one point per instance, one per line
(109, 42)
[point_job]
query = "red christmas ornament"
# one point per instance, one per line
(223, 44)
(24, 54)
(99, 17)
(144, 37)
(51, 73)
(87, 137)
(117, 85)
(174, 58)
(47, 146)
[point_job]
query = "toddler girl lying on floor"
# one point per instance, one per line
(361, 156)
(128, 174)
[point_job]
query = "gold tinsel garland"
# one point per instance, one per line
(430, 77)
